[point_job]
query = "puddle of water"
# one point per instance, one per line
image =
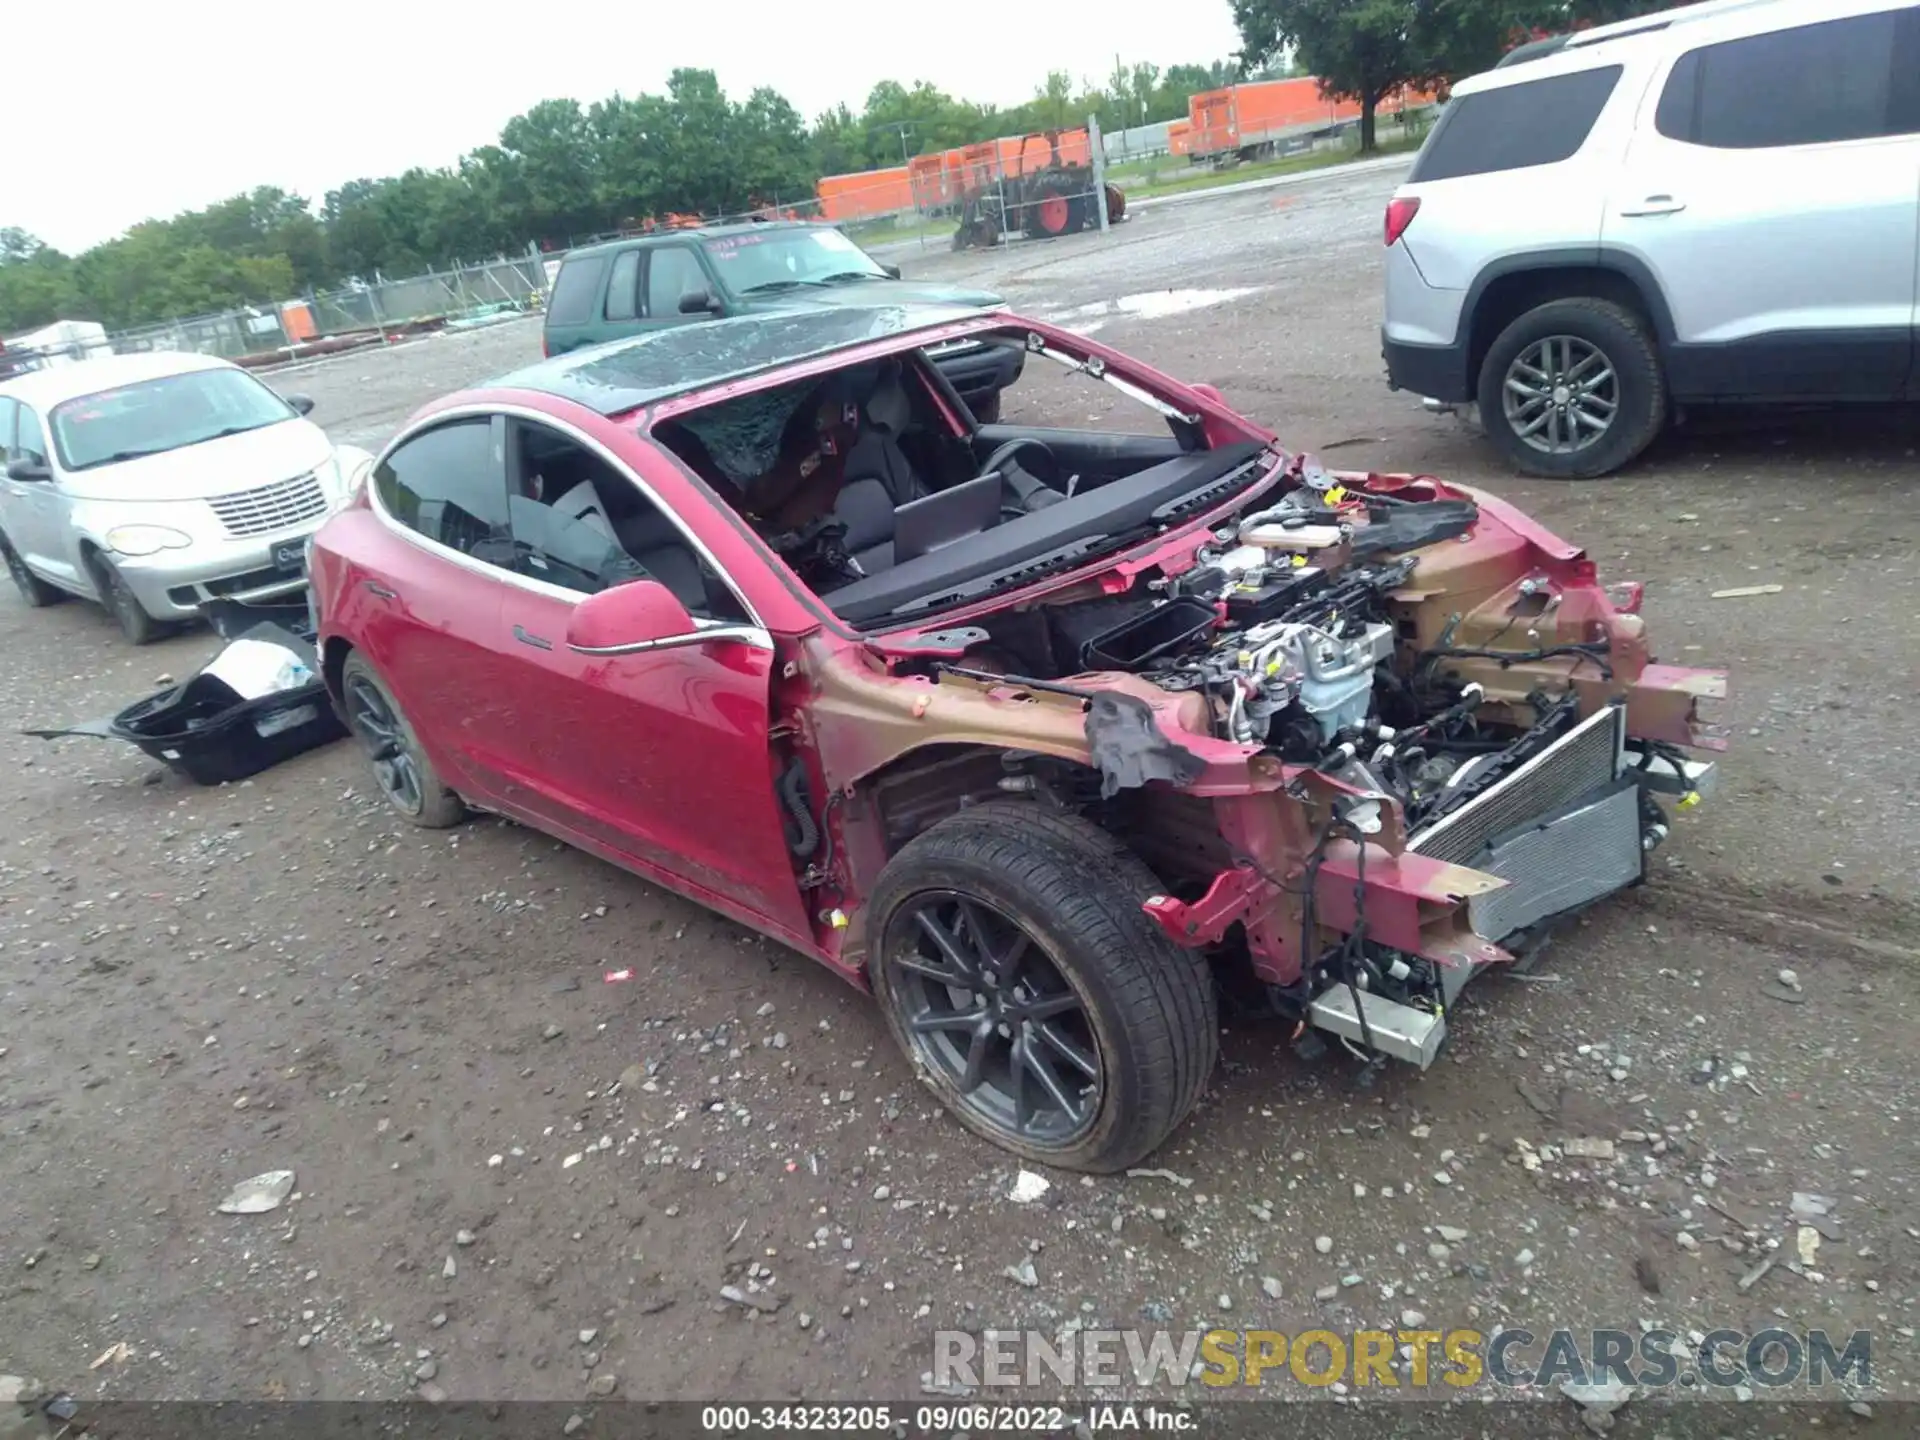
(1148, 305)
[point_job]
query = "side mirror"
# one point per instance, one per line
(642, 616)
(302, 404)
(699, 302)
(24, 469)
(893, 271)
(1210, 392)
(636, 616)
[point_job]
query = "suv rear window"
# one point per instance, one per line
(1811, 85)
(1537, 122)
(576, 290)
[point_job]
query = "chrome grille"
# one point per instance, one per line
(1586, 758)
(271, 507)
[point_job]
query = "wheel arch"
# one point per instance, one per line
(917, 789)
(1508, 288)
(333, 660)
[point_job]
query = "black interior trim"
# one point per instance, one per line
(1113, 509)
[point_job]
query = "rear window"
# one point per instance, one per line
(576, 290)
(1811, 85)
(1537, 122)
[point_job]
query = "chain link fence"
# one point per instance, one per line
(458, 298)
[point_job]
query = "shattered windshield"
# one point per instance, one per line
(757, 262)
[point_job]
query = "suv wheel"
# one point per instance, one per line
(1017, 969)
(1572, 390)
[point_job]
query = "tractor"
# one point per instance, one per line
(1039, 184)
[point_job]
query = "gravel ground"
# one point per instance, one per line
(516, 1180)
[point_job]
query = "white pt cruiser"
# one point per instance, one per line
(154, 483)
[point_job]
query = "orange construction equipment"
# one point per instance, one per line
(1247, 121)
(865, 194)
(1040, 184)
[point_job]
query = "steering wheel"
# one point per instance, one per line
(1022, 482)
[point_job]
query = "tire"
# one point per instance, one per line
(35, 591)
(1121, 995)
(135, 623)
(395, 750)
(1575, 330)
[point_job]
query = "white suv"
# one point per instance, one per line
(1716, 203)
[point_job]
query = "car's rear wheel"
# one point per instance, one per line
(1572, 390)
(135, 623)
(401, 769)
(1017, 969)
(35, 591)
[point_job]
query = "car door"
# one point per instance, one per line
(661, 757)
(1771, 188)
(38, 523)
(432, 603)
(672, 272)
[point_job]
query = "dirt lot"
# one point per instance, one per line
(516, 1180)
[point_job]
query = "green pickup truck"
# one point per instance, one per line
(681, 277)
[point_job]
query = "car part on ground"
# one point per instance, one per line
(257, 702)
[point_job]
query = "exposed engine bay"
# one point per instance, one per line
(1294, 628)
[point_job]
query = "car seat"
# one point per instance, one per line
(657, 545)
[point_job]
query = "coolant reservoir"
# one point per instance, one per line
(1276, 536)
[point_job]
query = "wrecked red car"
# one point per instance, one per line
(1050, 735)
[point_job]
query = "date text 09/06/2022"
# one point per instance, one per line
(937, 1419)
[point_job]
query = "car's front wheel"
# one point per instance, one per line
(135, 623)
(1572, 390)
(401, 769)
(1017, 969)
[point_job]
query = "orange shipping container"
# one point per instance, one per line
(1263, 112)
(935, 179)
(1179, 137)
(865, 194)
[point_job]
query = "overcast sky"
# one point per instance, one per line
(132, 111)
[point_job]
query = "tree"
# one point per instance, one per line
(556, 174)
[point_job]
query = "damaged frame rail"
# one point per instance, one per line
(1334, 909)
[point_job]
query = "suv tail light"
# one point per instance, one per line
(546, 350)
(1400, 212)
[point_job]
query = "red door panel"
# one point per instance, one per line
(662, 756)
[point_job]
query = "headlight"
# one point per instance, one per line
(145, 539)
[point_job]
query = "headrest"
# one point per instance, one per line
(888, 407)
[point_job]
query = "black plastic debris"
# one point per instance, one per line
(211, 729)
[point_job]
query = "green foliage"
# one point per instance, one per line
(556, 175)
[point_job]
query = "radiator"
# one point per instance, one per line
(1563, 830)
